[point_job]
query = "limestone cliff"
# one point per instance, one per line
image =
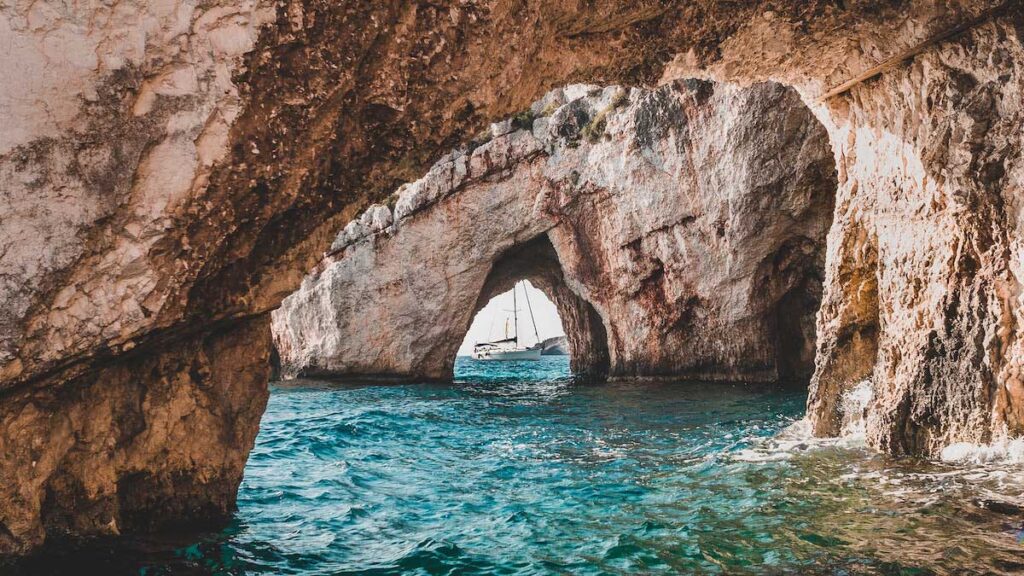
(680, 232)
(923, 288)
(170, 171)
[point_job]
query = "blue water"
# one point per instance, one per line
(518, 469)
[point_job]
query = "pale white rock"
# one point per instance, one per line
(380, 218)
(501, 128)
(410, 199)
(672, 240)
(353, 232)
(76, 53)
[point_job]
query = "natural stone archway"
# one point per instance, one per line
(537, 262)
(170, 173)
(736, 187)
(429, 348)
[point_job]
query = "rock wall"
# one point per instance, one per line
(923, 290)
(924, 293)
(691, 219)
(170, 172)
(106, 455)
(555, 346)
(130, 109)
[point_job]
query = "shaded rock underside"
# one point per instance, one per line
(169, 174)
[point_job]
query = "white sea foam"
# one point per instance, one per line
(798, 437)
(792, 440)
(1000, 452)
(855, 404)
(973, 462)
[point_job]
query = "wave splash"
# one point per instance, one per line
(1009, 451)
(798, 437)
(965, 458)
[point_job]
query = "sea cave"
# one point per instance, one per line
(242, 245)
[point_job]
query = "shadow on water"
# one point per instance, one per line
(526, 470)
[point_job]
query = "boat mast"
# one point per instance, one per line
(515, 317)
(530, 308)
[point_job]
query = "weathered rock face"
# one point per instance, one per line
(101, 164)
(170, 172)
(924, 292)
(923, 289)
(105, 455)
(690, 219)
(113, 119)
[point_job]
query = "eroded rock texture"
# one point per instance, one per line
(927, 255)
(152, 442)
(923, 288)
(680, 232)
(169, 172)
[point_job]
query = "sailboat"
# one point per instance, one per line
(508, 348)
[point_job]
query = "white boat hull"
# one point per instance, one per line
(531, 354)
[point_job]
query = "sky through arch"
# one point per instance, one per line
(490, 320)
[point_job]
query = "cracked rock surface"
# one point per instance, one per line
(691, 219)
(169, 172)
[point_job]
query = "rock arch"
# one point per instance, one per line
(169, 185)
(537, 261)
(736, 190)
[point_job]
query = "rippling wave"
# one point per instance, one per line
(530, 472)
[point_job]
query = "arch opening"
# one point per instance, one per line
(535, 324)
(536, 261)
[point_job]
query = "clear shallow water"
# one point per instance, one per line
(528, 472)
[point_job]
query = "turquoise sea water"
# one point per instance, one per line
(519, 469)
